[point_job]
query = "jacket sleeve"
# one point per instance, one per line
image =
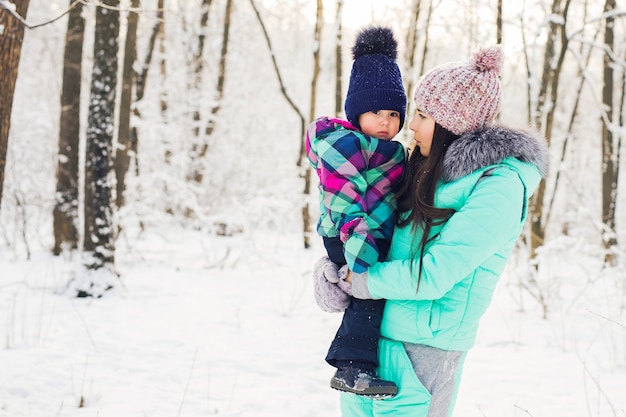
(490, 218)
(342, 164)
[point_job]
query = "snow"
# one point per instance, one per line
(177, 339)
(201, 324)
(7, 5)
(186, 335)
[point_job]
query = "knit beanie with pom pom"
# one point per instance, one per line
(463, 97)
(375, 80)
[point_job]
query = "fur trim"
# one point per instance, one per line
(489, 146)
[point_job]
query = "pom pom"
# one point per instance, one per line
(375, 40)
(489, 59)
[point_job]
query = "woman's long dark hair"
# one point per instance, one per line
(416, 194)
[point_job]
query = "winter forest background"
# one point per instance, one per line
(157, 216)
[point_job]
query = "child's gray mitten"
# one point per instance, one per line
(329, 296)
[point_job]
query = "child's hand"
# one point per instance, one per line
(327, 269)
(329, 296)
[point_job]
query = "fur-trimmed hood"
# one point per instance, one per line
(489, 146)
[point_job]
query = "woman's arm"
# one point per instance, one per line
(490, 218)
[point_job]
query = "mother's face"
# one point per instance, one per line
(423, 127)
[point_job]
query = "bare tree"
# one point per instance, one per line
(283, 89)
(221, 75)
(317, 42)
(429, 15)
(546, 106)
(570, 126)
(142, 75)
(317, 36)
(162, 58)
(339, 59)
(610, 152)
(411, 47)
(65, 213)
(200, 148)
(199, 61)
(11, 37)
(122, 150)
(98, 242)
(529, 72)
(499, 23)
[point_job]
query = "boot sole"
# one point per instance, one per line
(376, 393)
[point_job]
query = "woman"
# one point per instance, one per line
(463, 203)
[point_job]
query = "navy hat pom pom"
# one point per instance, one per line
(375, 40)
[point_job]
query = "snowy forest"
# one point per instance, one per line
(169, 133)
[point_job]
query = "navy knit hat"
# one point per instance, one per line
(375, 80)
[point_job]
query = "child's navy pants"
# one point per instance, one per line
(356, 341)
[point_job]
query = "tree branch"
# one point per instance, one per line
(10, 7)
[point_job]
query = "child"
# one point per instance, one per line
(358, 166)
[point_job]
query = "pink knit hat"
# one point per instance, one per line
(463, 97)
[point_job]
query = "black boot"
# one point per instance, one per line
(360, 382)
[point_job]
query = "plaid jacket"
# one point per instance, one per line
(357, 174)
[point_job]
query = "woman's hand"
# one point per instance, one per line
(358, 285)
(348, 277)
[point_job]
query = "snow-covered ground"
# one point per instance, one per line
(201, 325)
(227, 326)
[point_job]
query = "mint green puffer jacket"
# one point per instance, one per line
(488, 178)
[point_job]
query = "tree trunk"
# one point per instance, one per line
(317, 36)
(609, 151)
(283, 89)
(201, 148)
(221, 76)
(411, 51)
(11, 37)
(122, 150)
(544, 114)
(65, 213)
(548, 209)
(317, 41)
(140, 80)
(199, 63)
(529, 74)
(556, 74)
(162, 56)
(499, 23)
(429, 16)
(339, 60)
(98, 240)
(546, 75)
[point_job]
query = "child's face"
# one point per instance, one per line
(423, 127)
(381, 124)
